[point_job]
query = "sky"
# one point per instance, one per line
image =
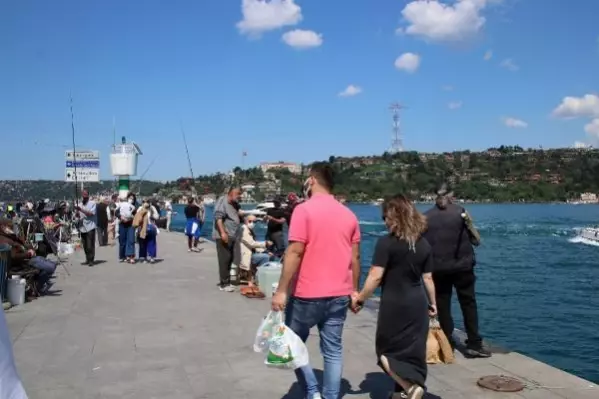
(290, 80)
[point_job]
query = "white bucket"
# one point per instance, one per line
(15, 291)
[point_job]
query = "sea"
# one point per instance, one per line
(537, 280)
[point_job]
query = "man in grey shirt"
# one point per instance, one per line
(87, 217)
(226, 223)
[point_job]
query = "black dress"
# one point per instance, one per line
(402, 326)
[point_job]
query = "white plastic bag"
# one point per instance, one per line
(284, 349)
(265, 331)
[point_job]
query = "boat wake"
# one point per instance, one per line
(582, 240)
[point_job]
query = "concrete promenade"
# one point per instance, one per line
(165, 331)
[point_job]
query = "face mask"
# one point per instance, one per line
(131, 201)
(251, 225)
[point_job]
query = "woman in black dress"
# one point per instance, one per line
(402, 266)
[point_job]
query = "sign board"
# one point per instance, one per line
(83, 175)
(82, 155)
(85, 165)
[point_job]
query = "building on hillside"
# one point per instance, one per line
(294, 168)
(588, 197)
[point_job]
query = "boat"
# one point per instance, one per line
(378, 202)
(260, 209)
(590, 233)
(207, 201)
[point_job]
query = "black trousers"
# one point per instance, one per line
(278, 241)
(102, 236)
(224, 254)
(88, 242)
(463, 281)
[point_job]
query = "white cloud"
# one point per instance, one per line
(447, 87)
(302, 39)
(260, 16)
(509, 64)
(350, 91)
(592, 128)
(488, 55)
(586, 106)
(408, 62)
(514, 122)
(455, 105)
(437, 21)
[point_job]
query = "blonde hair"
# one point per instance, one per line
(403, 219)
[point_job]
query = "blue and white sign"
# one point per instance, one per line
(85, 165)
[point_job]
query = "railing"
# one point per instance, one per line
(4, 263)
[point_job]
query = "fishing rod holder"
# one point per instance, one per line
(123, 159)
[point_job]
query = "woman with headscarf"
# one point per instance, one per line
(402, 263)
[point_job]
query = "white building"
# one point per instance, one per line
(294, 168)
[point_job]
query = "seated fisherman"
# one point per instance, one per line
(23, 256)
(250, 254)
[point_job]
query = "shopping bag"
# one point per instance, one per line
(265, 331)
(438, 348)
(286, 350)
(283, 348)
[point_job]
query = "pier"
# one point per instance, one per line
(165, 331)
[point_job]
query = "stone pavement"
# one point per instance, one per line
(165, 331)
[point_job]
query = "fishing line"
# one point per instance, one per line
(74, 151)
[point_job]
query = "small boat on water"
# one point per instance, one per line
(590, 233)
(260, 209)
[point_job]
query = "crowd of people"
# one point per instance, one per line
(416, 265)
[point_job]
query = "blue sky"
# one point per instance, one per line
(267, 77)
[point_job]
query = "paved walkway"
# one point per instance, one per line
(165, 331)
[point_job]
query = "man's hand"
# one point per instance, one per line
(225, 238)
(268, 243)
(432, 310)
(279, 300)
(31, 253)
(356, 302)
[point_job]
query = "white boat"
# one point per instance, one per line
(590, 233)
(260, 209)
(207, 201)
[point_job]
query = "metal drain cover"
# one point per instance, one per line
(500, 383)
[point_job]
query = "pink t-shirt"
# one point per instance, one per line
(328, 229)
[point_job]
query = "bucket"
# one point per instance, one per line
(15, 291)
(39, 237)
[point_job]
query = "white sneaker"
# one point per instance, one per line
(316, 396)
(229, 288)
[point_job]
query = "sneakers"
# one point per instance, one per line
(415, 392)
(316, 396)
(226, 288)
(477, 352)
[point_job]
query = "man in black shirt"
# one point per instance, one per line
(192, 228)
(274, 231)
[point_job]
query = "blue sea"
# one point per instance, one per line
(538, 283)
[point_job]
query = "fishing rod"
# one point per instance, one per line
(193, 186)
(74, 151)
(140, 179)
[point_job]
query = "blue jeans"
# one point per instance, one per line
(126, 240)
(147, 246)
(258, 259)
(329, 315)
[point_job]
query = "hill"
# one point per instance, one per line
(13, 190)
(503, 174)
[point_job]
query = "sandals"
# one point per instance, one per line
(252, 293)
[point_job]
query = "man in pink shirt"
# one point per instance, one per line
(323, 260)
